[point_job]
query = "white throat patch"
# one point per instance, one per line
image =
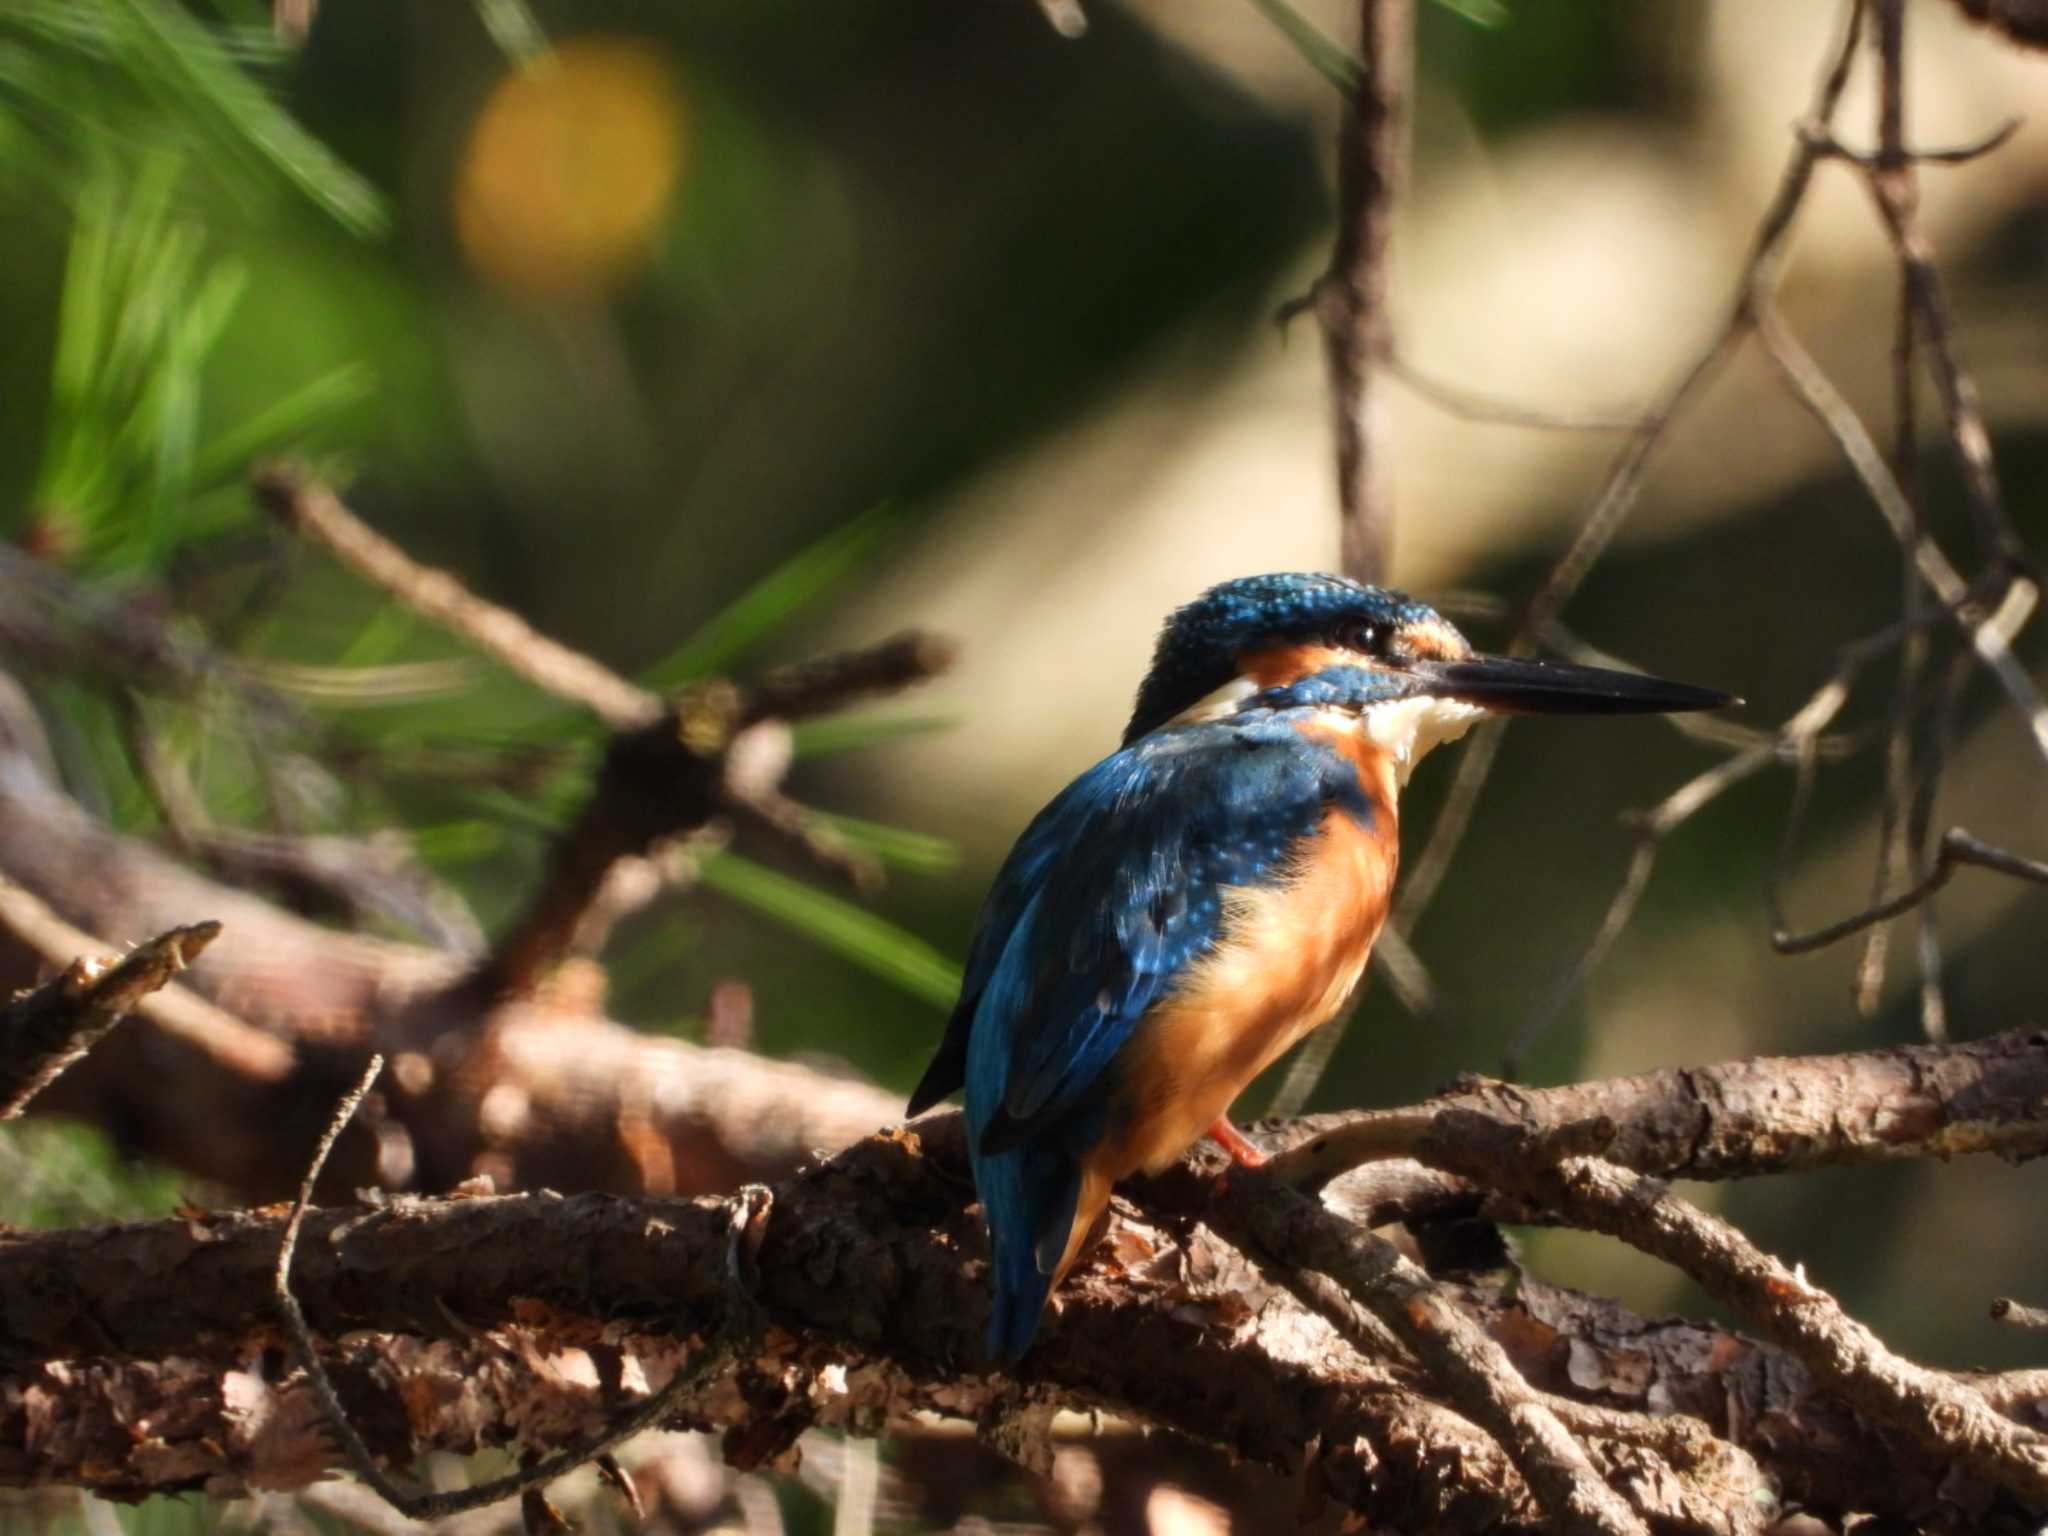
(1406, 729)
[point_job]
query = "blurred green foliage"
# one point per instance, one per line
(910, 238)
(235, 249)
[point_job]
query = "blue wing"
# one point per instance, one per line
(1115, 889)
(1110, 894)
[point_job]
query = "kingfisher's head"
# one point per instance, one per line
(1327, 641)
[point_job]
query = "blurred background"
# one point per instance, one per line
(710, 336)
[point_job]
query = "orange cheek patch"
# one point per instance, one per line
(1278, 665)
(1437, 641)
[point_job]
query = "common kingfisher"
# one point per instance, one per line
(1195, 903)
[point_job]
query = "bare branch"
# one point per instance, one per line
(314, 510)
(231, 1079)
(1827, 145)
(1842, 1353)
(1470, 405)
(1739, 1119)
(1351, 300)
(1291, 1232)
(871, 1271)
(527, 1482)
(1624, 479)
(1957, 848)
(1991, 641)
(45, 1031)
(716, 750)
(1892, 184)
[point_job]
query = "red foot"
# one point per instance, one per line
(1232, 1140)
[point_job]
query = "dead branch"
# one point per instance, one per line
(449, 1323)
(1352, 302)
(1892, 184)
(232, 1083)
(1623, 483)
(1842, 1354)
(2018, 1313)
(716, 751)
(528, 1483)
(50, 1029)
(1290, 1232)
(313, 509)
(1739, 1119)
(1957, 848)
(1471, 405)
(1955, 154)
(505, 1066)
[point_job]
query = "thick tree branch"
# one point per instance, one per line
(1841, 1353)
(537, 1318)
(1292, 1231)
(1736, 1119)
(566, 1097)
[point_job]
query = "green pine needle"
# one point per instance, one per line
(871, 942)
(776, 598)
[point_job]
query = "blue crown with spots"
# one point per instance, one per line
(1201, 641)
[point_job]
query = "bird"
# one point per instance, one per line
(1198, 901)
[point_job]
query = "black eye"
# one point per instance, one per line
(1360, 635)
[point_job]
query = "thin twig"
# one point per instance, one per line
(1351, 300)
(715, 751)
(315, 510)
(217, 1035)
(836, 682)
(1895, 849)
(1817, 392)
(1624, 480)
(1947, 712)
(1956, 849)
(1895, 189)
(1832, 148)
(436, 1506)
(1799, 738)
(376, 876)
(48, 1030)
(1472, 405)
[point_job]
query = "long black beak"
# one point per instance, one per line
(1515, 687)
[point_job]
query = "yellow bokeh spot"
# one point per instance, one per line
(569, 167)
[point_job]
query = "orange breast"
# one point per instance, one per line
(1290, 955)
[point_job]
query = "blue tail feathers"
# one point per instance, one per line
(1029, 1195)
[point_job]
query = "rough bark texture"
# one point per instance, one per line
(45, 1032)
(859, 1292)
(1737, 1119)
(550, 1092)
